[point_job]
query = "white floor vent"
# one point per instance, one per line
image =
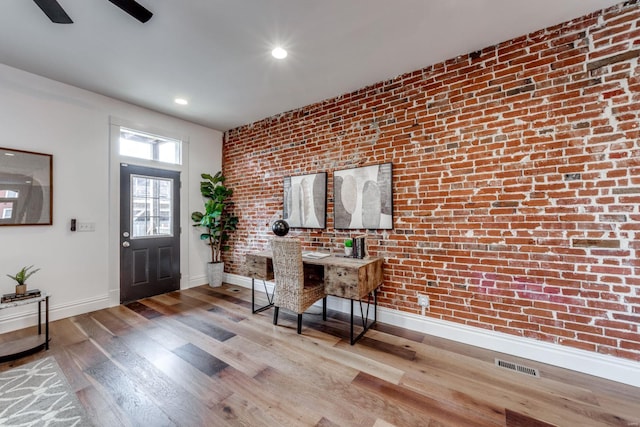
(518, 368)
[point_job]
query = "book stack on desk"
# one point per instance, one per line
(18, 297)
(359, 247)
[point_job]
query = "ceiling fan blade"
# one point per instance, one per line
(134, 9)
(54, 11)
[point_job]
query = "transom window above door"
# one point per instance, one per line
(146, 146)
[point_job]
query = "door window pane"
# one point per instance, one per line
(7, 212)
(169, 152)
(7, 201)
(138, 149)
(151, 207)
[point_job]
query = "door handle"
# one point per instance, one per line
(125, 234)
(126, 244)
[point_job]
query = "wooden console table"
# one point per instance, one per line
(344, 277)
(21, 347)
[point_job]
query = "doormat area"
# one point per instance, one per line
(38, 394)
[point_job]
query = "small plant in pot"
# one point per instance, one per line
(217, 220)
(21, 279)
(348, 247)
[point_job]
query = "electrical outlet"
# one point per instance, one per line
(423, 300)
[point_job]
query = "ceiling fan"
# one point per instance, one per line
(57, 14)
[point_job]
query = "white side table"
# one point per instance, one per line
(23, 346)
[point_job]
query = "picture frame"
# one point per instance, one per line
(305, 200)
(363, 197)
(26, 187)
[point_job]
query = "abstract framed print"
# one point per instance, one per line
(305, 200)
(363, 197)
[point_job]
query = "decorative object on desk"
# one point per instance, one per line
(280, 228)
(38, 394)
(348, 247)
(305, 200)
(33, 293)
(359, 247)
(363, 197)
(315, 255)
(26, 187)
(218, 220)
(21, 279)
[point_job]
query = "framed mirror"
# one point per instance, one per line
(26, 187)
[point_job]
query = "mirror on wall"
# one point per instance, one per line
(26, 187)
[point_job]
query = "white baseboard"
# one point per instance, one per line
(599, 365)
(27, 315)
(197, 281)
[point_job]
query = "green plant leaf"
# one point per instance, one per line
(21, 276)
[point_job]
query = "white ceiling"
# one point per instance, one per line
(216, 53)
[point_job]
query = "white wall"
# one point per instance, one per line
(38, 114)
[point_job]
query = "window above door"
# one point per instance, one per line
(146, 146)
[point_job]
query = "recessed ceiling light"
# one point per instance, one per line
(9, 154)
(279, 53)
(181, 101)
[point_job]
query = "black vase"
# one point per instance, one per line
(280, 227)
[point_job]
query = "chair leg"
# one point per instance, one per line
(275, 315)
(299, 323)
(324, 308)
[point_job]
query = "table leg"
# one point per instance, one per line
(39, 317)
(255, 310)
(375, 307)
(46, 323)
(364, 317)
(351, 326)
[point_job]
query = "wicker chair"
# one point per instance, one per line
(293, 290)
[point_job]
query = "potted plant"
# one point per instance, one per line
(218, 221)
(21, 279)
(348, 247)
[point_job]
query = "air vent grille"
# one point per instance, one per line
(518, 368)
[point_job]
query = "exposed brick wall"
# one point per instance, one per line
(516, 182)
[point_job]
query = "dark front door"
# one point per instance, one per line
(149, 232)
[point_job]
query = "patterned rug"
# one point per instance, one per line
(38, 394)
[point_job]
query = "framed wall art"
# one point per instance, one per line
(363, 197)
(305, 200)
(26, 187)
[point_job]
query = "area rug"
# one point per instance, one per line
(38, 394)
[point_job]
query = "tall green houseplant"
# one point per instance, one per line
(217, 219)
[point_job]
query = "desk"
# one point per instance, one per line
(351, 278)
(21, 347)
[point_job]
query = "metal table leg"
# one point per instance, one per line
(255, 310)
(364, 316)
(46, 323)
(39, 317)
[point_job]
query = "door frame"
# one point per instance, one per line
(114, 200)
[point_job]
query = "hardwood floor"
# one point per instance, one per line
(200, 358)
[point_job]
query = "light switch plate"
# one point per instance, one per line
(86, 226)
